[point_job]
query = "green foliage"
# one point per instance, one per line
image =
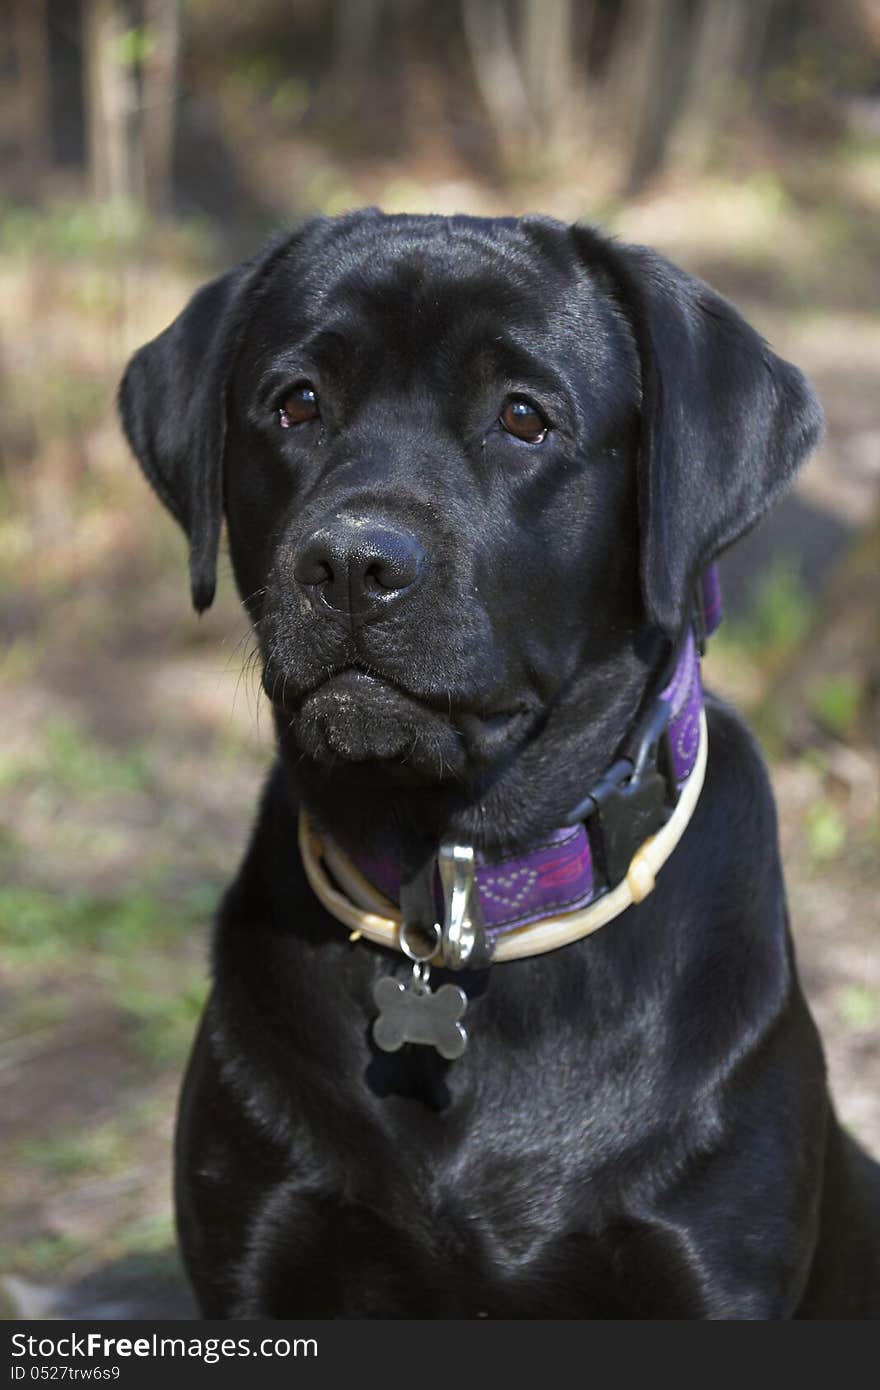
(46, 1255)
(72, 762)
(165, 1011)
(65, 1154)
(817, 68)
(72, 229)
(259, 72)
(37, 925)
(134, 947)
(768, 192)
(77, 762)
(329, 190)
(105, 235)
(289, 100)
(826, 831)
(835, 703)
(859, 1007)
(134, 46)
(71, 400)
(778, 617)
(149, 1235)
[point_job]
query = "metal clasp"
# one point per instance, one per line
(458, 942)
(463, 935)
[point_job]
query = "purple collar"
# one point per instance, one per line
(586, 858)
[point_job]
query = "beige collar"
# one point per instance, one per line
(354, 902)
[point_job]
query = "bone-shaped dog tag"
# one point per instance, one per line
(413, 1013)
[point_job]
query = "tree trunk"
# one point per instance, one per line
(109, 101)
(159, 100)
(29, 95)
(665, 78)
(493, 57)
(724, 72)
(548, 74)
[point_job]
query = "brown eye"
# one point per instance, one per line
(523, 420)
(300, 406)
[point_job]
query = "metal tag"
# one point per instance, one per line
(413, 1013)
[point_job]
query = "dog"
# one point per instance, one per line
(474, 474)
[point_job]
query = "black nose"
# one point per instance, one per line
(358, 566)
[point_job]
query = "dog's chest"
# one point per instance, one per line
(456, 1255)
(503, 1209)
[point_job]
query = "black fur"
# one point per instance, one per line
(640, 1126)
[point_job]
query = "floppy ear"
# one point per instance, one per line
(172, 400)
(725, 422)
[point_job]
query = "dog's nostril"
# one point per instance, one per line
(378, 578)
(397, 568)
(311, 568)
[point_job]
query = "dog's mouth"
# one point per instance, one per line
(359, 717)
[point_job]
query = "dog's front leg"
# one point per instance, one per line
(251, 1243)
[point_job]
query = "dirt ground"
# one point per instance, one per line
(133, 746)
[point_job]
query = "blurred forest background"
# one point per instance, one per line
(143, 145)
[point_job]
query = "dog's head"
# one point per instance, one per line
(471, 470)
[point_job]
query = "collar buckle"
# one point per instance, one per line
(634, 799)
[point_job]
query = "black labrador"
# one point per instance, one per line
(472, 471)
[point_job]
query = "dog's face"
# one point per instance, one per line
(470, 471)
(430, 491)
